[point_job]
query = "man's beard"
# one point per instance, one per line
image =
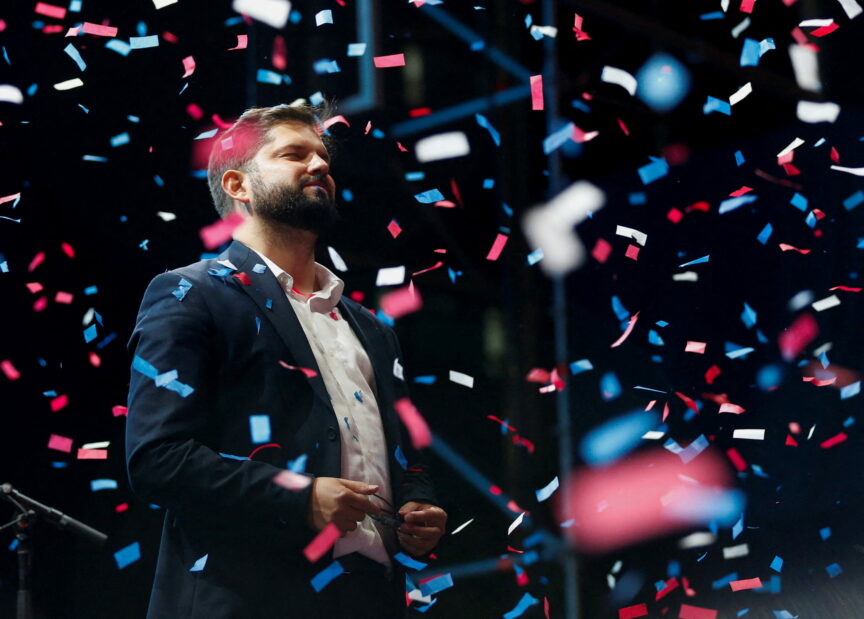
(290, 206)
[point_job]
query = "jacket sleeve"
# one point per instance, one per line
(171, 417)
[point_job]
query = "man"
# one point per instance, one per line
(252, 363)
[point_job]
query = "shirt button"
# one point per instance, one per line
(331, 433)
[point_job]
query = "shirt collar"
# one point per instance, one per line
(323, 300)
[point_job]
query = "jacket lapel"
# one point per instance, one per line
(265, 287)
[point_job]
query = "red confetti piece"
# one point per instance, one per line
(122, 508)
(419, 111)
(513, 507)
(581, 35)
(421, 436)
(743, 585)
(279, 58)
(823, 30)
(816, 382)
(95, 360)
(309, 373)
(92, 454)
(401, 148)
(63, 297)
(357, 295)
(691, 404)
(9, 370)
(37, 260)
(291, 480)
(49, 10)
(674, 215)
(546, 607)
(602, 250)
(394, 228)
(99, 31)
(797, 336)
(747, 6)
(497, 247)
(59, 403)
(737, 459)
(495, 490)
(711, 374)
(536, 92)
(67, 249)
(171, 38)
(632, 252)
(703, 207)
(538, 375)
(335, 119)
(60, 443)
(834, 440)
(394, 60)
(219, 231)
(243, 278)
(522, 579)
(696, 612)
(671, 585)
(40, 304)
(323, 542)
(639, 610)
(624, 128)
(790, 441)
(401, 301)
(437, 265)
(119, 411)
(194, 110)
(846, 288)
(740, 192)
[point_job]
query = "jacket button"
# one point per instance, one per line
(331, 433)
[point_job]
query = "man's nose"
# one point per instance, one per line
(318, 165)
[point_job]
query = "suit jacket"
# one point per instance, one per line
(205, 362)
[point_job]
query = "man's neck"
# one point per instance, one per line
(291, 249)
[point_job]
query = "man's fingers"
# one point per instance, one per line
(360, 502)
(359, 487)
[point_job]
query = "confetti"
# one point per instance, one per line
(401, 302)
(326, 576)
(394, 60)
(411, 418)
(128, 555)
(749, 434)
(462, 379)
(614, 75)
(323, 542)
(271, 12)
(536, 92)
(442, 146)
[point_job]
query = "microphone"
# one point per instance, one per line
(55, 517)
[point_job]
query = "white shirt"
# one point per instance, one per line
(350, 381)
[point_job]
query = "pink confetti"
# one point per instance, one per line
(280, 54)
(696, 612)
(743, 585)
(787, 247)
(497, 247)
(40, 304)
(623, 127)
(242, 42)
(631, 612)
(49, 10)
(695, 347)
(674, 215)
(728, 407)
(335, 119)
(627, 332)
(322, 542)
(10, 197)
(691, 404)
(92, 454)
(740, 192)
(60, 443)
(291, 480)
(99, 31)
(536, 92)
(309, 373)
(821, 32)
(737, 459)
(602, 250)
(394, 228)
(421, 436)
(846, 288)
(797, 336)
(67, 249)
(400, 302)
(632, 252)
(712, 373)
(538, 375)
(119, 411)
(437, 265)
(122, 508)
(394, 60)
(63, 297)
(60, 402)
(219, 231)
(671, 585)
(170, 37)
(747, 6)
(834, 440)
(34, 287)
(189, 66)
(581, 35)
(37, 260)
(95, 360)
(9, 370)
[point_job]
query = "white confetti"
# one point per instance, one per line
(750, 434)
(792, 146)
(336, 259)
(742, 92)
(442, 146)
(10, 94)
(632, 233)
(166, 216)
(855, 171)
(515, 523)
(852, 8)
(826, 303)
(462, 379)
(161, 4)
(390, 276)
(805, 64)
(271, 12)
(461, 526)
(813, 112)
(735, 552)
(69, 84)
(614, 75)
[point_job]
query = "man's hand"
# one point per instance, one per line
(423, 527)
(341, 501)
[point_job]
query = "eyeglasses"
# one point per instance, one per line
(388, 517)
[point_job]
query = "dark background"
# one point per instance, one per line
(491, 320)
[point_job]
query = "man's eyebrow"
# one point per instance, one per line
(325, 154)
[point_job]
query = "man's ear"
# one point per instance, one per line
(235, 184)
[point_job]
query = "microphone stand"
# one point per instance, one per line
(29, 510)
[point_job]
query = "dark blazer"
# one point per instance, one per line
(189, 451)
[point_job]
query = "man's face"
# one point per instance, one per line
(290, 179)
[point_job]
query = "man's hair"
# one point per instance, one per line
(235, 148)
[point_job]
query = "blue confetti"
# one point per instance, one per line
(425, 380)
(546, 491)
(850, 390)
(121, 47)
(128, 555)
(739, 158)
(662, 82)
(408, 562)
(799, 202)
(90, 334)
(731, 204)
(400, 458)
(259, 428)
(144, 42)
(582, 365)
(325, 576)
(436, 585)
(834, 570)
(825, 533)
(748, 316)
(298, 464)
(750, 53)
(654, 338)
(712, 15)
(488, 183)
(265, 76)
(713, 104)
(428, 197)
(356, 49)
(738, 527)
(415, 176)
(610, 388)
(617, 437)
(182, 288)
(524, 604)
(557, 138)
(484, 122)
(199, 564)
(720, 583)
(697, 261)
(103, 484)
(534, 257)
(658, 168)
(854, 200)
(765, 234)
(777, 564)
(75, 55)
(120, 139)
(637, 198)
